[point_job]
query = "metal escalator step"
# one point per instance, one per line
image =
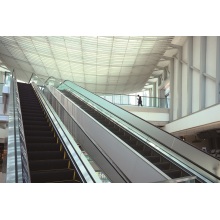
(173, 173)
(52, 175)
(145, 153)
(153, 159)
(33, 117)
(39, 133)
(138, 147)
(40, 139)
(29, 114)
(36, 128)
(29, 104)
(67, 181)
(163, 165)
(38, 123)
(43, 147)
(31, 107)
(45, 155)
(31, 110)
(40, 165)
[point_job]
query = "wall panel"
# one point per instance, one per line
(175, 95)
(211, 56)
(184, 90)
(210, 92)
(196, 52)
(195, 91)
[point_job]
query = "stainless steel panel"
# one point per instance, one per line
(134, 166)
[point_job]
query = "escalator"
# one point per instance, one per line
(155, 157)
(48, 160)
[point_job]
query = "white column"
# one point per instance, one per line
(179, 84)
(189, 75)
(202, 70)
(171, 88)
(218, 70)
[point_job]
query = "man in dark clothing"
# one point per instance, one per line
(139, 101)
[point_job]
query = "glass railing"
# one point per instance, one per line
(53, 82)
(101, 150)
(76, 131)
(17, 168)
(84, 168)
(158, 139)
(153, 102)
(191, 157)
(119, 99)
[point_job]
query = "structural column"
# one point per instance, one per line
(171, 88)
(218, 70)
(179, 83)
(202, 70)
(189, 75)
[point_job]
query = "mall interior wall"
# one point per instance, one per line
(195, 75)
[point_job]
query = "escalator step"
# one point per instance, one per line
(28, 114)
(52, 175)
(173, 173)
(31, 111)
(66, 181)
(163, 165)
(37, 127)
(34, 117)
(31, 108)
(30, 104)
(35, 139)
(43, 147)
(138, 147)
(48, 164)
(39, 123)
(45, 155)
(35, 120)
(153, 159)
(39, 133)
(46, 161)
(145, 153)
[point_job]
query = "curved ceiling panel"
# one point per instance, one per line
(119, 65)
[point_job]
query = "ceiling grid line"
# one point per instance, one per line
(15, 60)
(68, 58)
(39, 56)
(102, 64)
(24, 56)
(54, 57)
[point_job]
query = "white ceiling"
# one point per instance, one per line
(119, 65)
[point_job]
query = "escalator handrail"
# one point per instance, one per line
(108, 110)
(155, 140)
(115, 167)
(117, 138)
(17, 169)
(159, 150)
(85, 171)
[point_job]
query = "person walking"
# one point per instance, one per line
(139, 100)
